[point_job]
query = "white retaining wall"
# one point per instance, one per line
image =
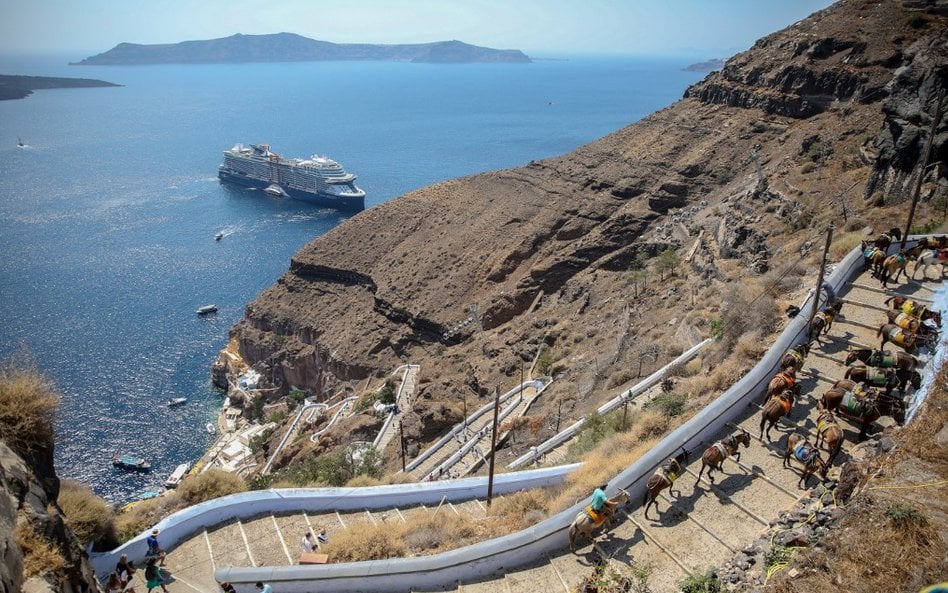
(185, 523)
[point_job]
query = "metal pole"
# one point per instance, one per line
(921, 174)
(401, 433)
(493, 448)
(819, 279)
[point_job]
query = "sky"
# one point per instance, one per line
(541, 28)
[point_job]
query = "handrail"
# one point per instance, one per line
(641, 387)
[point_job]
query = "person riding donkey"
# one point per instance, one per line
(599, 500)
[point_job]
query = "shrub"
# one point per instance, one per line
(366, 542)
(904, 516)
(27, 404)
(277, 416)
(544, 361)
(844, 244)
(256, 408)
(89, 517)
(777, 555)
(39, 555)
(718, 325)
(607, 578)
(917, 21)
(703, 582)
(332, 469)
(141, 515)
(387, 392)
(295, 398)
(667, 261)
(521, 509)
(620, 377)
(723, 175)
(258, 443)
(259, 482)
(670, 404)
(211, 484)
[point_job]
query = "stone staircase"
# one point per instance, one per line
(699, 526)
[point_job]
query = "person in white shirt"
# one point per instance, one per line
(307, 543)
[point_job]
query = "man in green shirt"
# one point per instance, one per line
(599, 500)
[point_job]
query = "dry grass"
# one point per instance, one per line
(211, 484)
(27, 404)
(845, 243)
(367, 542)
(869, 552)
(39, 556)
(89, 517)
(521, 509)
(140, 516)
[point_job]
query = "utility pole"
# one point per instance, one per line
(819, 279)
(401, 434)
(493, 448)
(921, 174)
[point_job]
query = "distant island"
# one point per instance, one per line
(19, 87)
(708, 66)
(289, 47)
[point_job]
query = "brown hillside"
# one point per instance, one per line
(836, 109)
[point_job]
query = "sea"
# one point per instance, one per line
(108, 214)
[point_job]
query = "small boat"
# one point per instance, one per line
(130, 462)
(19, 143)
(275, 190)
(176, 401)
(177, 475)
(207, 309)
(219, 236)
(210, 428)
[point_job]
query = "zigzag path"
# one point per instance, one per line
(702, 525)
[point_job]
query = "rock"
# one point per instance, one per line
(793, 573)
(886, 444)
(751, 549)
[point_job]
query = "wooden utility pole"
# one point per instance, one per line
(819, 279)
(401, 434)
(921, 174)
(493, 448)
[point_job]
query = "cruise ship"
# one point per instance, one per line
(319, 179)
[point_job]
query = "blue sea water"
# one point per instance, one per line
(107, 219)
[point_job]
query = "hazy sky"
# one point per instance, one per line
(545, 28)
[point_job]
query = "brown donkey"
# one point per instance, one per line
(828, 430)
(664, 477)
(714, 456)
(776, 407)
(807, 455)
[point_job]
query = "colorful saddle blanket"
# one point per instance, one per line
(786, 404)
(910, 307)
(597, 517)
(805, 453)
(896, 335)
(855, 402)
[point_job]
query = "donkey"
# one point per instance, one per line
(806, 454)
(828, 430)
(664, 477)
(714, 456)
(775, 408)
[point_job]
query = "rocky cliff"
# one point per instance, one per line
(740, 177)
(39, 553)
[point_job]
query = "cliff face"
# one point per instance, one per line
(54, 560)
(544, 250)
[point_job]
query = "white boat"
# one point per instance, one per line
(177, 475)
(219, 236)
(176, 401)
(207, 309)
(275, 190)
(210, 428)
